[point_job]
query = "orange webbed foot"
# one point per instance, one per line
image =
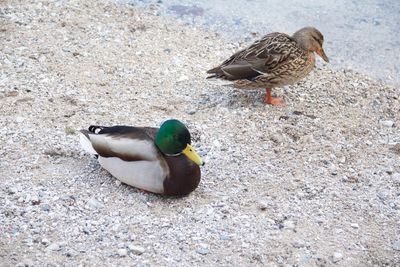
(275, 101)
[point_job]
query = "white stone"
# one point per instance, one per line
(216, 143)
(122, 252)
(337, 256)
(396, 245)
(94, 203)
(138, 250)
(54, 247)
(355, 225)
(19, 119)
(387, 123)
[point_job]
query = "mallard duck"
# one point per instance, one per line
(159, 160)
(275, 60)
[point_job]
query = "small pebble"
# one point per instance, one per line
(203, 251)
(305, 258)
(262, 206)
(54, 247)
(337, 256)
(70, 253)
(387, 123)
(339, 231)
(382, 195)
(342, 159)
(216, 143)
(45, 207)
(12, 190)
(122, 252)
(35, 200)
(19, 119)
(138, 250)
(95, 204)
(396, 245)
(298, 244)
(225, 237)
(355, 225)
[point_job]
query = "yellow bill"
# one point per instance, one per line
(192, 155)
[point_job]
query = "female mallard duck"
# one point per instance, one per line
(156, 160)
(276, 60)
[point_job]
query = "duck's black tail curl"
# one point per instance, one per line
(96, 128)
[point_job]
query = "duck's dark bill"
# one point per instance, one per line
(192, 155)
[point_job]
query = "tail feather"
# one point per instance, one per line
(214, 70)
(95, 128)
(85, 142)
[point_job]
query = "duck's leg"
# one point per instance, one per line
(275, 101)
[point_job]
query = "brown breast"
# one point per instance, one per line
(184, 176)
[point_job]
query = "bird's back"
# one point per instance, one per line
(274, 60)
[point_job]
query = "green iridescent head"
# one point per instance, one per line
(173, 138)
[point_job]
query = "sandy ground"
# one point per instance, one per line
(313, 184)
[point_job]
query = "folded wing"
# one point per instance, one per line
(124, 142)
(262, 57)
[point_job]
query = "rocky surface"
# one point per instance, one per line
(315, 183)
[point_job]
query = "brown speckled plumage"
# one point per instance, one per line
(275, 60)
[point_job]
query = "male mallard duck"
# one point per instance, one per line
(156, 160)
(276, 60)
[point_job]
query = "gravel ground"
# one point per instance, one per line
(313, 184)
